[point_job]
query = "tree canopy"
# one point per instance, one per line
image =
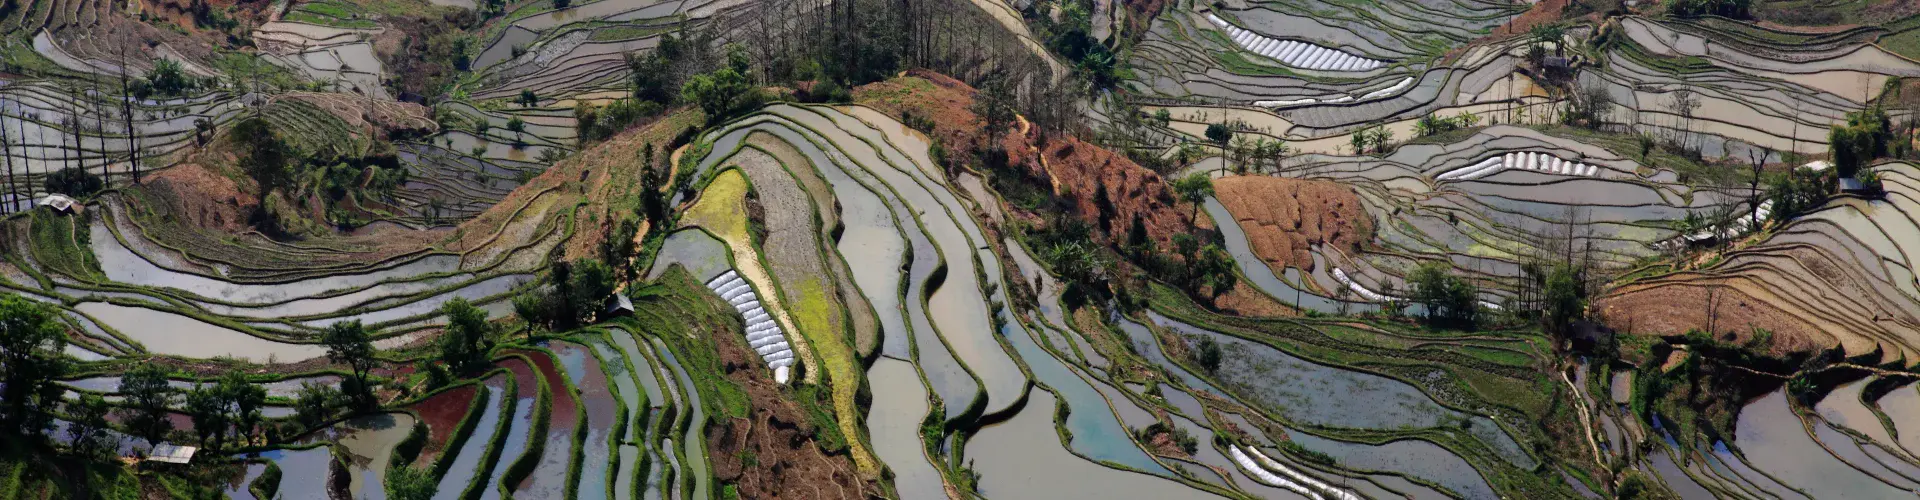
(30, 361)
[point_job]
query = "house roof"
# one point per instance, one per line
(172, 453)
(620, 303)
(58, 201)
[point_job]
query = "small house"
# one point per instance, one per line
(172, 453)
(618, 305)
(59, 202)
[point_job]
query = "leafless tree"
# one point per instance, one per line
(1684, 102)
(1758, 154)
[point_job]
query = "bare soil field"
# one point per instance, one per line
(1286, 218)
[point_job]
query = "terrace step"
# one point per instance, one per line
(762, 333)
(1297, 54)
(1539, 162)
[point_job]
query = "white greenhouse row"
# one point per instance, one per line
(763, 334)
(1294, 53)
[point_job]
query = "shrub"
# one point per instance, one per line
(73, 181)
(1737, 9)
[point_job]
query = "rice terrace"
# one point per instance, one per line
(959, 249)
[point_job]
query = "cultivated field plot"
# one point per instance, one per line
(1839, 276)
(1486, 204)
(1357, 65)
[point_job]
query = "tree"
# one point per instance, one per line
(242, 401)
(73, 181)
(315, 403)
(1215, 269)
(1207, 354)
(528, 98)
(208, 408)
(592, 284)
(87, 427)
(996, 104)
(347, 343)
(1684, 102)
(1195, 188)
(409, 483)
(724, 91)
(1565, 295)
(264, 155)
(1552, 33)
(1759, 157)
(1449, 300)
(562, 4)
(461, 346)
(30, 360)
(148, 394)
(1220, 135)
(653, 198)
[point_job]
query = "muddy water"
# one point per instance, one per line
(1737, 465)
(1902, 406)
(1676, 479)
(515, 443)
(893, 421)
(1049, 302)
(466, 461)
(616, 369)
(1148, 345)
(1414, 458)
(642, 366)
(369, 443)
(1031, 463)
(475, 292)
(695, 462)
(957, 307)
(1214, 458)
(123, 265)
(1262, 277)
(173, 334)
(1773, 440)
(698, 252)
(956, 388)
(303, 473)
(584, 370)
(239, 490)
(1315, 394)
(1843, 407)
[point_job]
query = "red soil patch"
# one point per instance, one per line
(1677, 308)
(1545, 12)
(442, 413)
(1286, 218)
(593, 387)
(561, 422)
(1077, 169)
(205, 199)
(525, 381)
(786, 460)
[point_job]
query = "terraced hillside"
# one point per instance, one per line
(640, 249)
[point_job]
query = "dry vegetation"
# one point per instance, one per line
(1076, 169)
(1285, 219)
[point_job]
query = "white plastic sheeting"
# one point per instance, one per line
(1357, 288)
(1263, 475)
(763, 334)
(1538, 162)
(1294, 53)
(1331, 492)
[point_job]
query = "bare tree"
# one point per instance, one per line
(1757, 154)
(1684, 102)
